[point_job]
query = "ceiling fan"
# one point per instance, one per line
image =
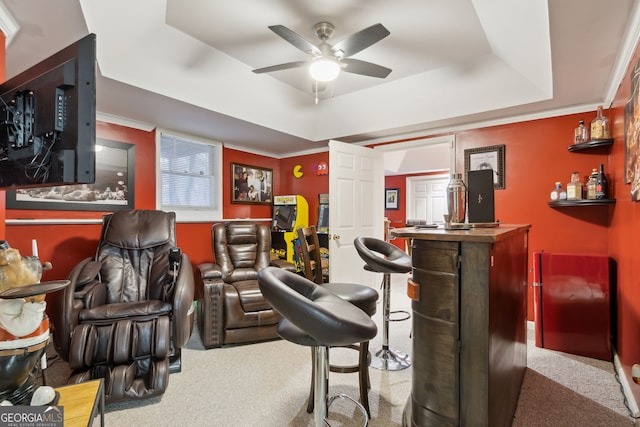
(334, 58)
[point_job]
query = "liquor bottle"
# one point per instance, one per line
(600, 126)
(591, 185)
(581, 133)
(574, 187)
(558, 193)
(602, 186)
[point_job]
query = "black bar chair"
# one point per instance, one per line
(316, 317)
(362, 296)
(383, 257)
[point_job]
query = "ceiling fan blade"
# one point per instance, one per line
(360, 40)
(285, 66)
(295, 39)
(356, 66)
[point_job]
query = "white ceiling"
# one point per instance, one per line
(185, 65)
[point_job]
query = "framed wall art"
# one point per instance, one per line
(251, 184)
(632, 136)
(113, 188)
(491, 157)
(391, 196)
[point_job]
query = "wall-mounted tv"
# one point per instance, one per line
(48, 120)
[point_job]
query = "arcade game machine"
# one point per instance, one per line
(323, 214)
(289, 214)
(322, 227)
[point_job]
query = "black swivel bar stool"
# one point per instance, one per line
(362, 296)
(314, 316)
(383, 257)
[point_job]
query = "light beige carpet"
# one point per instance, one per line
(267, 385)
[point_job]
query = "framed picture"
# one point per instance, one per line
(491, 157)
(391, 196)
(251, 184)
(632, 136)
(113, 188)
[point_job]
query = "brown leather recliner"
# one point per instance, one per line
(129, 310)
(231, 308)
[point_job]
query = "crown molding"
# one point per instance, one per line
(123, 121)
(8, 24)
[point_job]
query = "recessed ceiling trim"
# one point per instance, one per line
(123, 121)
(210, 79)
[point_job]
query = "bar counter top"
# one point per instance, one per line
(481, 234)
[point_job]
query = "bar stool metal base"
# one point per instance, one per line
(321, 386)
(390, 360)
(386, 359)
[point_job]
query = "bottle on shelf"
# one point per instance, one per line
(581, 133)
(591, 185)
(602, 185)
(574, 187)
(600, 126)
(558, 193)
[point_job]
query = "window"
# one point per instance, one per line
(189, 181)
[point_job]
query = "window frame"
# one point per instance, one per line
(192, 215)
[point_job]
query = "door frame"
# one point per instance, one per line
(420, 143)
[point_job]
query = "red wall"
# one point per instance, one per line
(398, 216)
(310, 184)
(232, 210)
(536, 156)
(624, 245)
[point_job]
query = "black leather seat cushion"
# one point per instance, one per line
(363, 297)
(251, 298)
(381, 256)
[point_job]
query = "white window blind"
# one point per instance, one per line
(190, 178)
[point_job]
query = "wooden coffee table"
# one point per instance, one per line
(81, 401)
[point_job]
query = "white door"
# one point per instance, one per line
(356, 208)
(427, 198)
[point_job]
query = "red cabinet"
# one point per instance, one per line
(572, 303)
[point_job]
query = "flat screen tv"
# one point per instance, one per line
(48, 120)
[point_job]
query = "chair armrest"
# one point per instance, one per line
(87, 271)
(111, 313)
(183, 303)
(210, 311)
(63, 307)
(210, 271)
(281, 263)
(91, 295)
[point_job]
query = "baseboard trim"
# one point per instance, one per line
(626, 388)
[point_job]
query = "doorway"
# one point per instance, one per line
(426, 194)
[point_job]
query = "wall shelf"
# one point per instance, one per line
(566, 203)
(589, 145)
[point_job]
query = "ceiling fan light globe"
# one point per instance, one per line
(324, 70)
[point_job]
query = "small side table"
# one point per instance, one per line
(81, 401)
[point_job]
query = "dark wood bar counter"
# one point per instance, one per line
(469, 292)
